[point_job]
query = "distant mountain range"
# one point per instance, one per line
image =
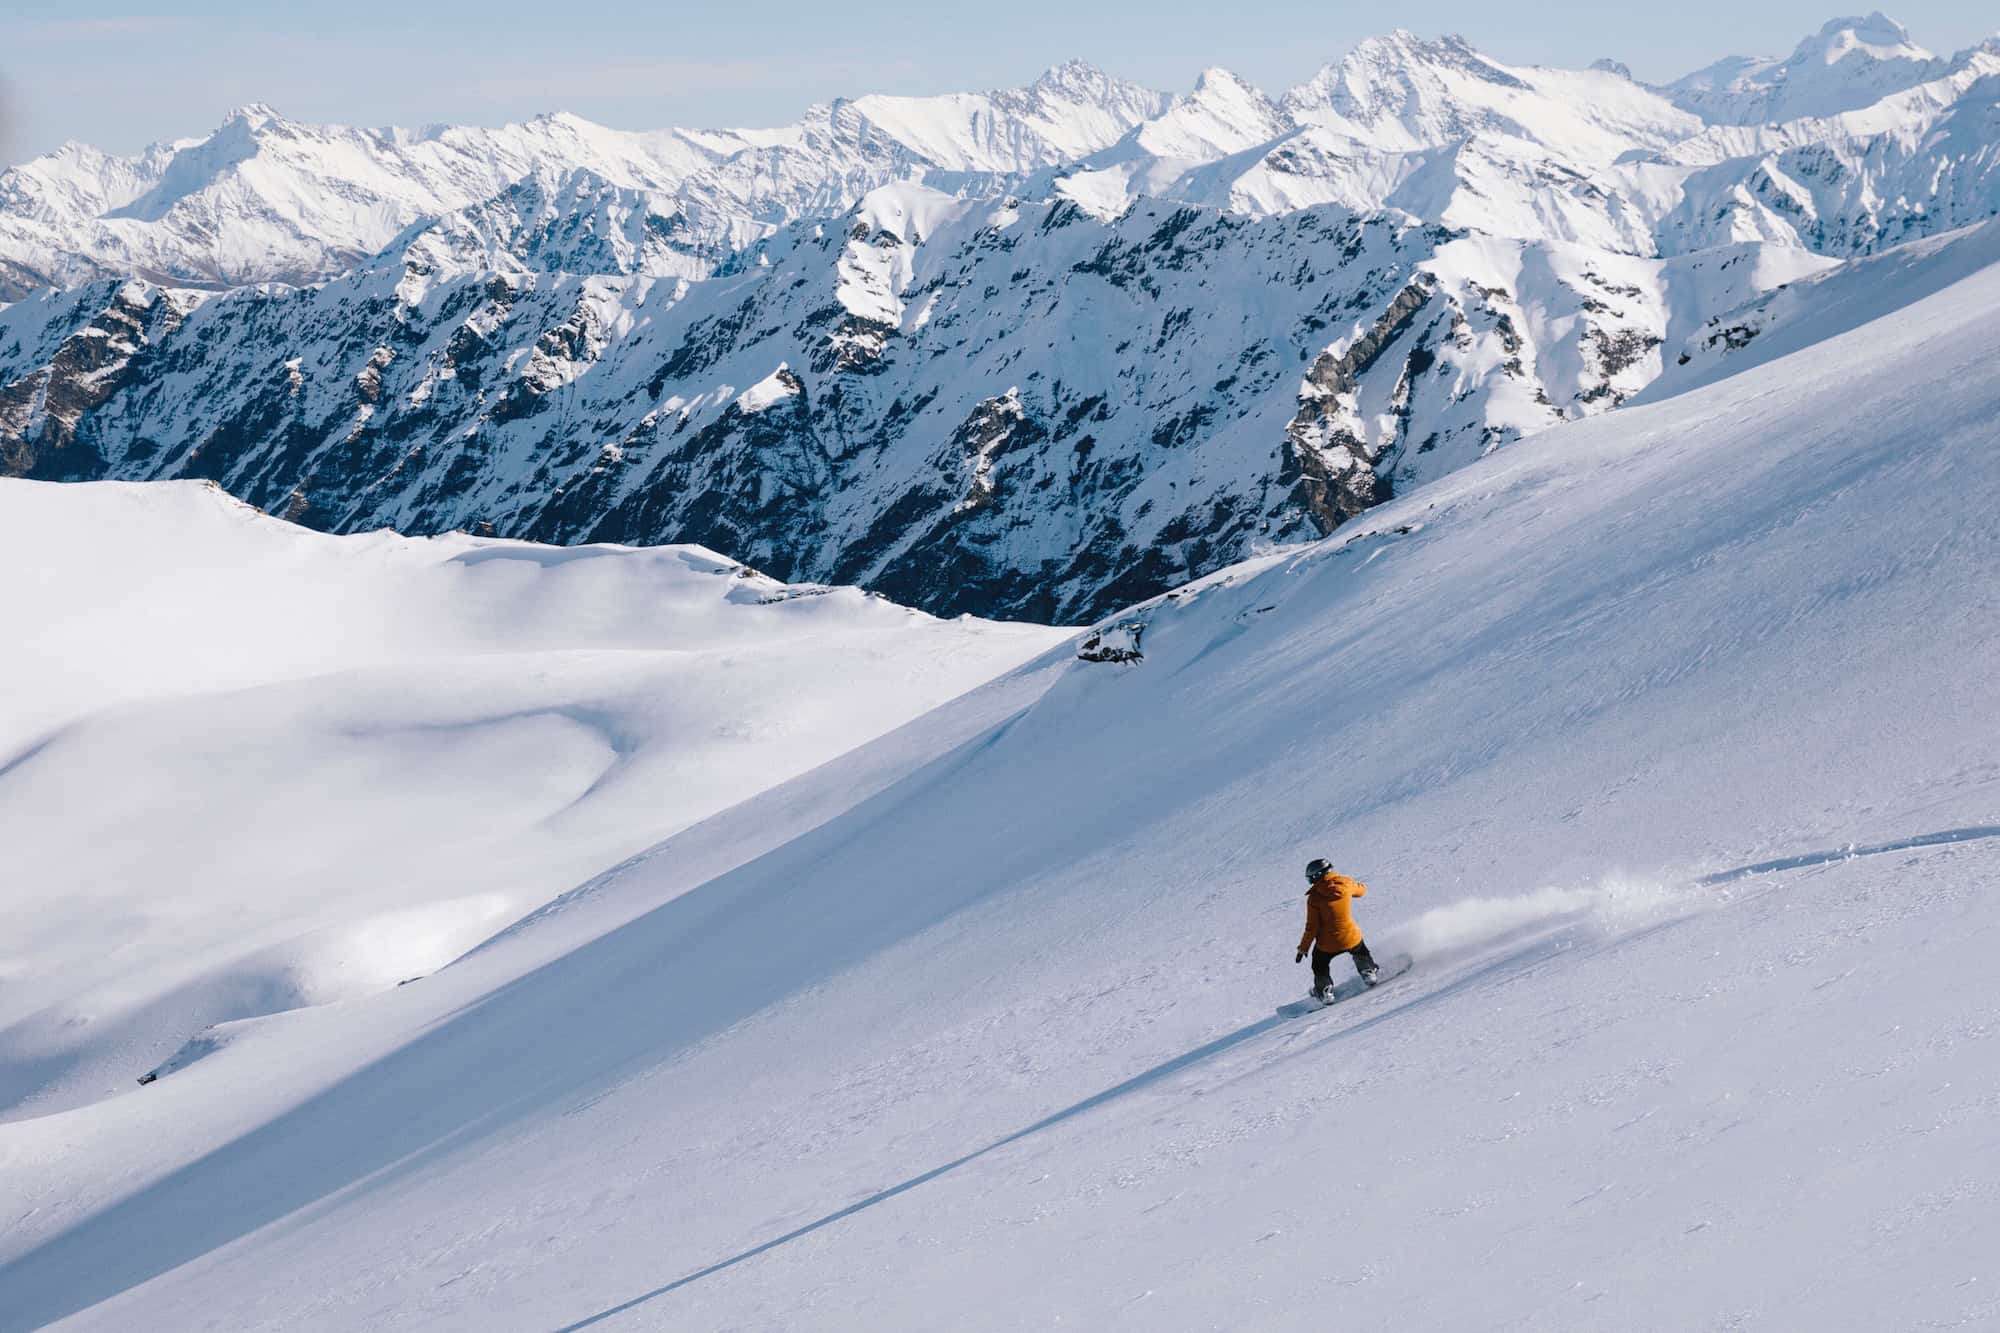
(1039, 352)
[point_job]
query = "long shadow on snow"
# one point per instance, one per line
(1165, 1069)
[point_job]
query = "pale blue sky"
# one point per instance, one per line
(121, 76)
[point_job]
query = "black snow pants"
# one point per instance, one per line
(1322, 960)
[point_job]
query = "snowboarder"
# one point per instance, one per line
(1330, 928)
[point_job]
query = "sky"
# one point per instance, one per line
(123, 76)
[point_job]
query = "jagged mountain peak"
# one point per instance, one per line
(1405, 41)
(1402, 93)
(553, 220)
(254, 114)
(563, 122)
(1216, 79)
(1403, 50)
(1073, 85)
(1222, 92)
(1400, 76)
(1072, 110)
(1875, 35)
(1074, 78)
(1222, 114)
(1850, 62)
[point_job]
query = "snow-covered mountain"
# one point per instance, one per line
(968, 406)
(1792, 317)
(265, 199)
(1036, 352)
(1848, 64)
(1663, 742)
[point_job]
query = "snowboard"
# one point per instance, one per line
(1391, 968)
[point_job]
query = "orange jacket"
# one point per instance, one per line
(1329, 918)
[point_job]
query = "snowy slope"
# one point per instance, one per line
(1793, 316)
(245, 767)
(1664, 742)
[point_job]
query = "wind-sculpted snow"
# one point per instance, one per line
(1048, 350)
(1660, 741)
(247, 768)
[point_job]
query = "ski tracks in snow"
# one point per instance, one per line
(1482, 941)
(1804, 860)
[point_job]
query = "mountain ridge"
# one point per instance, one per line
(1042, 351)
(1069, 113)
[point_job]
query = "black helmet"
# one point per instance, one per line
(1317, 868)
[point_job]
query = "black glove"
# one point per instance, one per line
(1300, 957)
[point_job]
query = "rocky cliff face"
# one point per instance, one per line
(1082, 345)
(997, 407)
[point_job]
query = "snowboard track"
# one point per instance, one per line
(144, 1213)
(1943, 837)
(1546, 945)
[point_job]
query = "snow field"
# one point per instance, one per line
(322, 766)
(1649, 737)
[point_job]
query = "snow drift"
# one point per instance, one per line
(246, 768)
